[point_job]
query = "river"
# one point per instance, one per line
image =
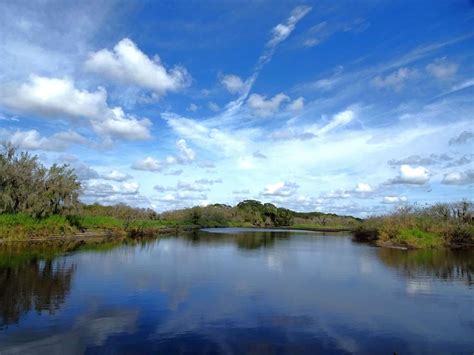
(238, 291)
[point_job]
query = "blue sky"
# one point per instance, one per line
(346, 107)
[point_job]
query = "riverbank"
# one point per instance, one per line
(436, 227)
(21, 227)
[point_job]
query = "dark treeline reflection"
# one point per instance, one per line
(441, 264)
(32, 285)
(243, 240)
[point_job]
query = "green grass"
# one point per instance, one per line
(418, 238)
(100, 222)
(20, 226)
(148, 223)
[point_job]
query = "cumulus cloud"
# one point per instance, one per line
(463, 138)
(127, 63)
(234, 84)
(117, 124)
(116, 175)
(459, 178)
(192, 187)
(442, 69)
(395, 80)
(413, 176)
(53, 97)
(187, 187)
(102, 189)
(394, 199)
(281, 188)
(363, 188)
(32, 140)
(186, 154)
(183, 199)
(59, 98)
(148, 164)
(296, 105)
(263, 107)
(109, 193)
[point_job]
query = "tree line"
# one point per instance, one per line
(27, 186)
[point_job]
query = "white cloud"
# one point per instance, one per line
(414, 176)
(262, 107)
(441, 68)
(84, 172)
(59, 98)
(246, 163)
(128, 64)
(186, 154)
(193, 107)
(464, 85)
(395, 80)
(340, 119)
(213, 106)
(32, 140)
(116, 175)
(296, 105)
(53, 97)
(148, 164)
(101, 189)
(363, 188)
(281, 31)
(234, 84)
(117, 124)
(199, 133)
(281, 188)
(129, 188)
(190, 187)
(459, 178)
(394, 199)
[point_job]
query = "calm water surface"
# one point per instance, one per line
(238, 291)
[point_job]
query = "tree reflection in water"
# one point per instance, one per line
(441, 264)
(243, 240)
(35, 284)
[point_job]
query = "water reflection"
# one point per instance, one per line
(243, 239)
(240, 292)
(445, 265)
(39, 285)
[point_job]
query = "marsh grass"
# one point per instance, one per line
(22, 226)
(441, 225)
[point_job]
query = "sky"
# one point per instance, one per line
(345, 107)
